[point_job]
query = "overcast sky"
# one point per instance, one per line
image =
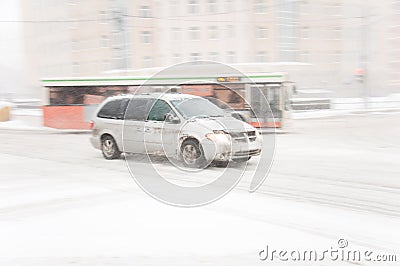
(10, 47)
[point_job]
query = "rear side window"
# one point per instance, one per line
(138, 109)
(114, 109)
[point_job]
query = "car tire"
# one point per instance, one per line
(241, 160)
(192, 155)
(109, 148)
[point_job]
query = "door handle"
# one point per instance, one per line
(147, 130)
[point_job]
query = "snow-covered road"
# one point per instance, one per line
(61, 203)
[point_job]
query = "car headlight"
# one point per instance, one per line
(218, 135)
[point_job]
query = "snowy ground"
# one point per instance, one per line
(337, 178)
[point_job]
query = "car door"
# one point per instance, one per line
(161, 135)
(134, 124)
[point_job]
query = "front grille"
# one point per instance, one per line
(236, 135)
(248, 136)
(251, 133)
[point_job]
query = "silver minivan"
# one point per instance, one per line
(186, 127)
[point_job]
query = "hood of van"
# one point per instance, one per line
(229, 124)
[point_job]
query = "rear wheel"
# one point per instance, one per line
(109, 148)
(192, 154)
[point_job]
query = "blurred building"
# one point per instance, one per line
(352, 46)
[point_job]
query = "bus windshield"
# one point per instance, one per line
(197, 107)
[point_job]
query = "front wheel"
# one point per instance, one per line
(192, 154)
(109, 148)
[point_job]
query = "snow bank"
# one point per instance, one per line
(391, 101)
(6, 104)
(27, 112)
(26, 100)
(348, 106)
(20, 125)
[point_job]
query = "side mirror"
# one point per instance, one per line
(119, 116)
(238, 116)
(170, 118)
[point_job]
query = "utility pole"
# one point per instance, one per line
(120, 29)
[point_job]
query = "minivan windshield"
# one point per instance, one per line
(197, 107)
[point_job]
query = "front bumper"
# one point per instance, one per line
(248, 153)
(245, 149)
(215, 151)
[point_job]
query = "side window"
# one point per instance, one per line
(138, 109)
(113, 109)
(159, 110)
